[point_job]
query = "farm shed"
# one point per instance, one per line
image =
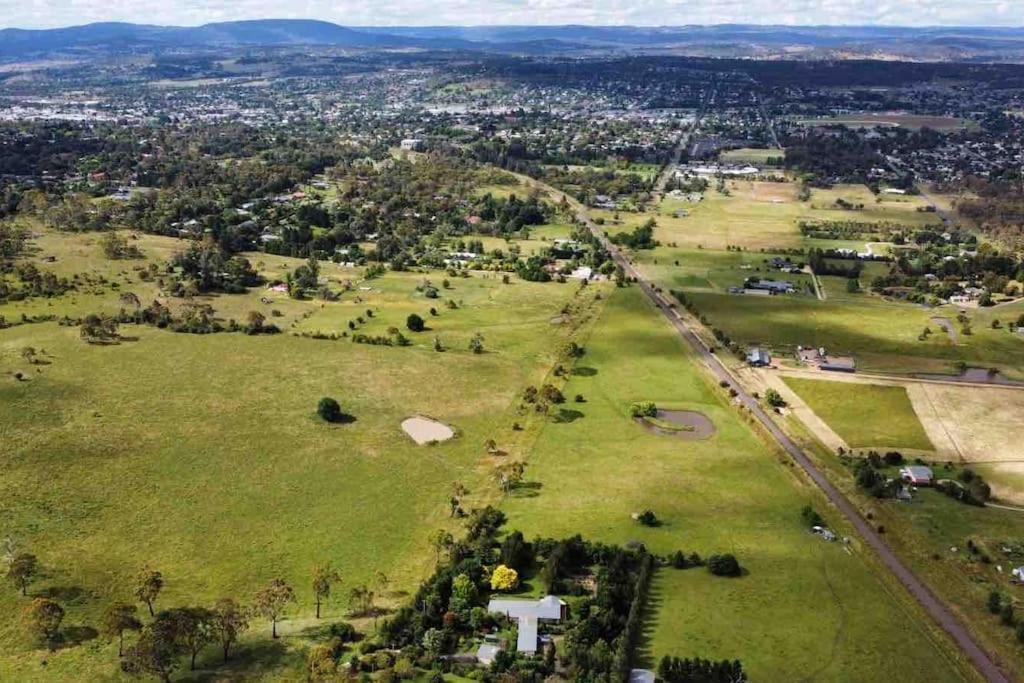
(918, 475)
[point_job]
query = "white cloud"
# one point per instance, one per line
(50, 13)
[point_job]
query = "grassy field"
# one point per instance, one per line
(865, 415)
(202, 455)
(750, 155)
(806, 609)
(724, 239)
(931, 535)
(911, 121)
(759, 215)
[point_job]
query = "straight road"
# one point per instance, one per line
(931, 603)
(677, 153)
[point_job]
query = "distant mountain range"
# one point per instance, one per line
(930, 42)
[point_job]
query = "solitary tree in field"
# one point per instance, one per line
(118, 618)
(323, 576)
(329, 410)
(459, 491)
(476, 344)
(42, 618)
(229, 621)
(383, 581)
(23, 569)
(441, 541)
(415, 323)
(254, 321)
(148, 586)
(272, 600)
(510, 475)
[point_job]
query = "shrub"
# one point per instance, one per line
(774, 398)
(893, 458)
(647, 518)
(724, 565)
(810, 517)
(329, 410)
(643, 409)
(415, 323)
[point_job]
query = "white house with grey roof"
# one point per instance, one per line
(529, 614)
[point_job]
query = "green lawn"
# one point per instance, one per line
(202, 455)
(805, 610)
(864, 415)
(751, 155)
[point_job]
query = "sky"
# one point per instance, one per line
(53, 13)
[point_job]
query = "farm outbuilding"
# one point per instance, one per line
(918, 475)
(759, 357)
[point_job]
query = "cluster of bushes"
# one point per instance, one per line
(642, 237)
(544, 397)
(397, 339)
(697, 670)
(643, 409)
(195, 319)
(874, 482)
(971, 488)
(1003, 606)
(33, 283)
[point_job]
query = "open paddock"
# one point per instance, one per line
(891, 120)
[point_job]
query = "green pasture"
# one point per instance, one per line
(203, 457)
(864, 415)
(805, 608)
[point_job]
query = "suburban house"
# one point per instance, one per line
(918, 475)
(529, 614)
(412, 144)
(758, 357)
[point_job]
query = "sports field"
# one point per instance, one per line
(806, 608)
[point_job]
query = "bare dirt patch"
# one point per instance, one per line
(773, 192)
(424, 430)
(685, 424)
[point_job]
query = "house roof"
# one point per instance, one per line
(641, 676)
(527, 640)
(758, 355)
(918, 472)
(549, 607)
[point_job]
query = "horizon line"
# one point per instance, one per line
(527, 25)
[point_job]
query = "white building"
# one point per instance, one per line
(529, 614)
